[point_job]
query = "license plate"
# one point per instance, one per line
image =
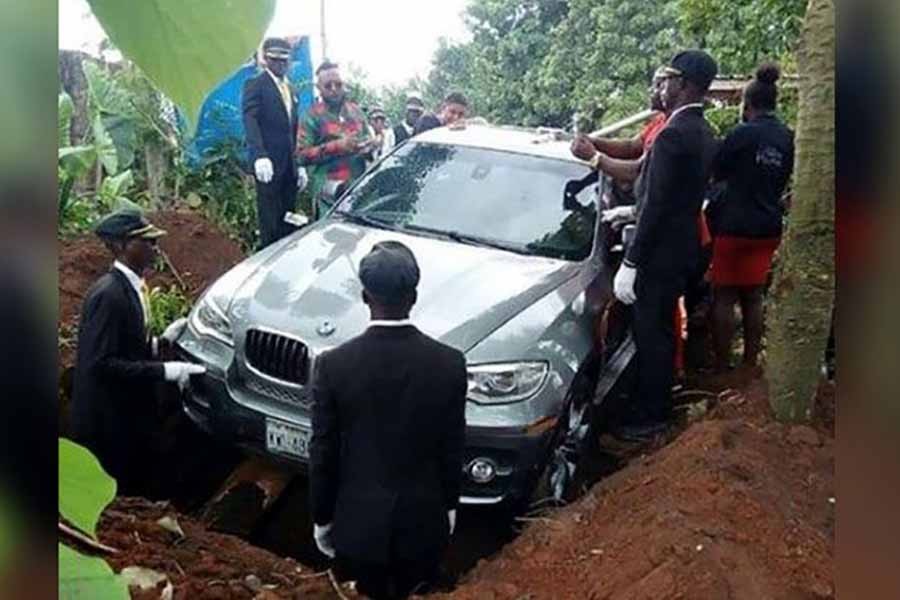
(287, 439)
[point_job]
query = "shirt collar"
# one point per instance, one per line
(389, 323)
(278, 81)
(684, 108)
(135, 281)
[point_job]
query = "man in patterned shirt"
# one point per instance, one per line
(333, 139)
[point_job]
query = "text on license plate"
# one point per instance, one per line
(287, 439)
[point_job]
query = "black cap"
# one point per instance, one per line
(389, 272)
(277, 48)
(695, 66)
(414, 102)
(127, 223)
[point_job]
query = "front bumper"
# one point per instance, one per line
(518, 454)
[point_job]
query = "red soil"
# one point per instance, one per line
(737, 506)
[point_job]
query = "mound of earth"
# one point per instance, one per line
(737, 506)
(201, 565)
(199, 250)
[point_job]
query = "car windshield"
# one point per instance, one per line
(511, 201)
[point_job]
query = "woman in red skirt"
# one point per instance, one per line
(755, 163)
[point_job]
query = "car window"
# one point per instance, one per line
(511, 199)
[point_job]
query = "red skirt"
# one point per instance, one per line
(742, 261)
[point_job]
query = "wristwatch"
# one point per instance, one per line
(595, 162)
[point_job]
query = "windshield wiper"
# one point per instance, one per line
(473, 240)
(365, 220)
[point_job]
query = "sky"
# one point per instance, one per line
(390, 40)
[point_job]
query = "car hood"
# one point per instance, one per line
(310, 287)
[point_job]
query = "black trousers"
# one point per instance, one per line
(389, 581)
(654, 333)
(273, 199)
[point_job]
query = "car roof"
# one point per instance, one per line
(546, 143)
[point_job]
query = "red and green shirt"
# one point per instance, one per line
(318, 147)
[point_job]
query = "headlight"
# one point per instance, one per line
(503, 383)
(210, 320)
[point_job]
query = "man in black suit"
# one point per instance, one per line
(388, 431)
(270, 125)
(670, 193)
(113, 402)
(415, 108)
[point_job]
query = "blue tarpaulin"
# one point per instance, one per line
(220, 117)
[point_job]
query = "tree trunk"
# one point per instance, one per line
(155, 161)
(803, 291)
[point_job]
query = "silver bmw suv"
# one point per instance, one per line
(515, 273)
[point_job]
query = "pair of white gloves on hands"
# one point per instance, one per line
(179, 372)
(265, 172)
(322, 535)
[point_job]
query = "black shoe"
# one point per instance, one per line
(645, 432)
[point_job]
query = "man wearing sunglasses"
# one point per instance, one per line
(269, 107)
(333, 139)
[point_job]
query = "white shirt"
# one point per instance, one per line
(137, 283)
(389, 323)
(683, 108)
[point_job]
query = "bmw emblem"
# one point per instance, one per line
(326, 328)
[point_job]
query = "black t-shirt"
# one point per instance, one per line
(426, 122)
(755, 161)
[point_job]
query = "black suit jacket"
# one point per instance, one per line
(270, 131)
(670, 194)
(401, 134)
(386, 450)
(113, 402)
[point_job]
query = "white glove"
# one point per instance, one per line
(264, 170)
(618, 216)
(174, 330)
(623, 284)
(180, 372)
(302, 179)
(451, 515)
(322, 536)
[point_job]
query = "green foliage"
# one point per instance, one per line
(226, 193)
(165, 307)
(723, 119)
(64, 112)
(743, 33)
(536, 62)
(77, 215)
(84, 491)
(185, 48)
(84, 487)
(83, 576)
(113, 189)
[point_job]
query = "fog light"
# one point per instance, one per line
(482, 470)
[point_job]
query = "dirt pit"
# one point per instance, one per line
(737, 506)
